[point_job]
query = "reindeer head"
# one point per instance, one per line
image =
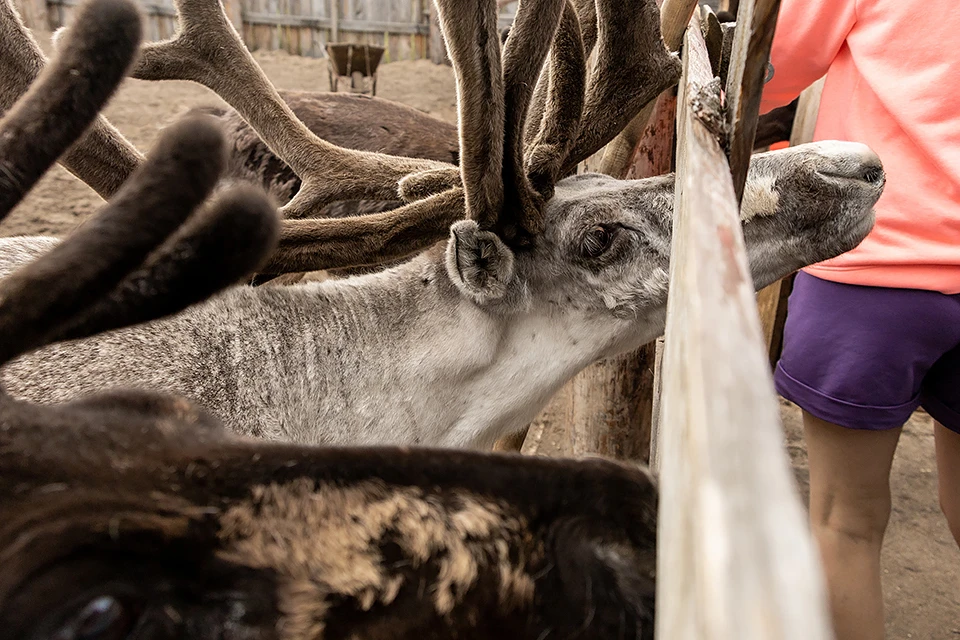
(592, 246)
(605, 250)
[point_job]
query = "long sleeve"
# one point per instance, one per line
(809, 35)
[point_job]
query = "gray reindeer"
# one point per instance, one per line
(467, 341)
(133, 514)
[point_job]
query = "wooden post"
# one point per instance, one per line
(334, 21)
(756, 23)
(619, 154)
(33, 13)
(735, 557)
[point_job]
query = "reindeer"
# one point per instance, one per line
(350, 120)
(466, 342)
(133, 514)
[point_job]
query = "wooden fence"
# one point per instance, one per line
(301, 27)
(735, 557)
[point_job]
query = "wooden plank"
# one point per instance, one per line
(234, 11)
(335, 20)
(772, 300)
(808, 108)
(437, 47)
(748, 68)
(357, 26)
(735, 558)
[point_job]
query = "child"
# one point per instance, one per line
(875, 333)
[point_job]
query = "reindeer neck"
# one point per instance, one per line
(401, 357)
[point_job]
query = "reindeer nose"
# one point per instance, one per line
(851, 160)
(872, 173)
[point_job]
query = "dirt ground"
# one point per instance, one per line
(921, 561)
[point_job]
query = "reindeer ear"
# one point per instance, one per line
(478, 262)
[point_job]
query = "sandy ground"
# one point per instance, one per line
(921, 562)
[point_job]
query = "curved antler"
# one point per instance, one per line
(523, 56)
(473, 43)
(66, 97)
(560, 112)
(209, 51)
(632, 67)
(103, 158)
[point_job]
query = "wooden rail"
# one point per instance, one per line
(301, 27)
(735, 558)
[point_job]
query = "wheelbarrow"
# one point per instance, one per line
(356, 63)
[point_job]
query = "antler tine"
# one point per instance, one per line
(525, 50)
(227, 241)
(46, 295)
(209, 51)
(559, 116)
(310, 245)
(102, 158)
(633, 66)
(474, 46)
(66, 96)
(587, 15)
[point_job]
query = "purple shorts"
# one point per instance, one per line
(867, 357)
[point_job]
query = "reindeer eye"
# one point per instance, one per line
(103, 618)
(597, 240)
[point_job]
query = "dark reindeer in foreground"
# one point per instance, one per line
(134, 515)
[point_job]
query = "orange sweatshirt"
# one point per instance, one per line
(893, 83)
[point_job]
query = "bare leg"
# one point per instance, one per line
(849, 511)
(948, 475)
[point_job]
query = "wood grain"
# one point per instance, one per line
(756, 23)
(735, 559)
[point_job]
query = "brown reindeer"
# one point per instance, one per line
(134, 515)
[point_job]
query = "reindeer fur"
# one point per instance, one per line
(135, 514)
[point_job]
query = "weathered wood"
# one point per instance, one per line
(620, 152)
(808, 108)
(772, 300)
(655, 417)
(735, 558)
(33, 13)
(748, 68)
(334, 20)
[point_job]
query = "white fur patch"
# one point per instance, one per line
(759, 198)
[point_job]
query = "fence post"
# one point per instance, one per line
(772, 300)
(234, 11)
(735, 558)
